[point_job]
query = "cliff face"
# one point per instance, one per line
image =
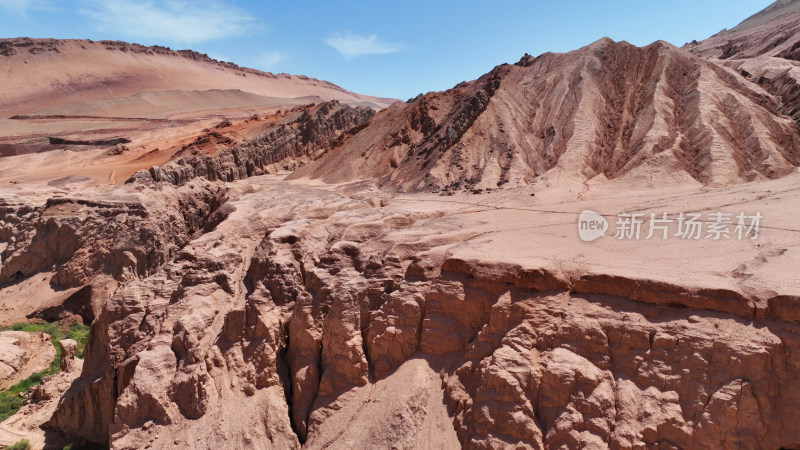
(318, 319)
(602, 112)
(89, 244)
(86, 245)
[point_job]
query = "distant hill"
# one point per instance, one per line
(39, 74)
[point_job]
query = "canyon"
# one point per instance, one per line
(304, 267)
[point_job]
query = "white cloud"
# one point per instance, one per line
(352, 45)
(269, 60)
(175, 21)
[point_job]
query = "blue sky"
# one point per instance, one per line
(382, 47)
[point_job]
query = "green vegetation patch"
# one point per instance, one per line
(23, 444)
(10, 399)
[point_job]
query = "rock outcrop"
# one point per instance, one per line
(69, 348)
(90, 244)
(22, 354)
(288, 144)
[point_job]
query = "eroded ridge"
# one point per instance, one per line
(606, 111)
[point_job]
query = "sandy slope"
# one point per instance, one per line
(174, 104)
(770, 14)
(43, 74)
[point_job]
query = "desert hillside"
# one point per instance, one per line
(41, 75)
(764, 49)
(605, 111)
(65, 103)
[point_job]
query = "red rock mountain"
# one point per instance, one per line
(602, 112)
(764, 49)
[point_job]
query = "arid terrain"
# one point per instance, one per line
(270, 261)
(64, 101)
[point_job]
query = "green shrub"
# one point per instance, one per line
(24, 444)
(81, 335)
(9, 404)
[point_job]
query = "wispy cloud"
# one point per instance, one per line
(21, 7)
(352, 45)
(269, 60)
(175, 21)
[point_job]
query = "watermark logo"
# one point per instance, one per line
(591, 226)
(688, 226)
